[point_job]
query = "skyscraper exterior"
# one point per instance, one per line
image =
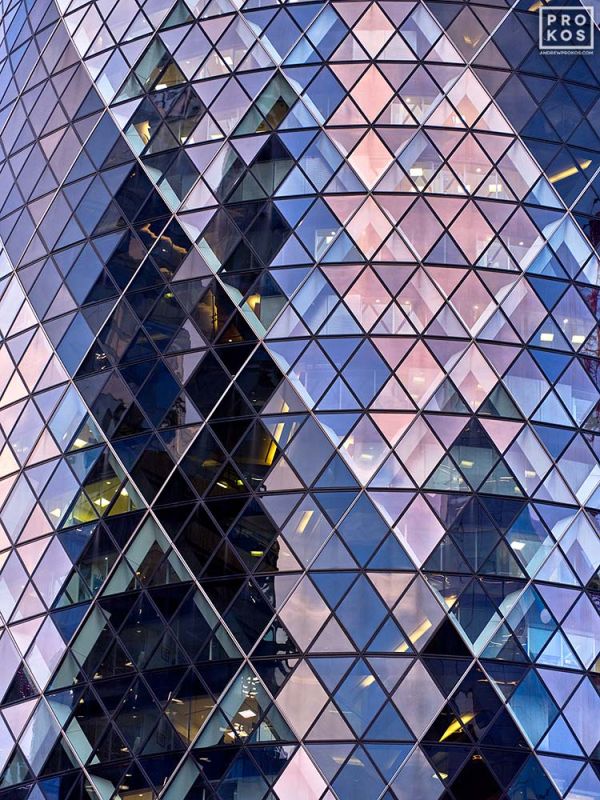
(299, 392)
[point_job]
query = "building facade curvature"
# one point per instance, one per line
(299, 391)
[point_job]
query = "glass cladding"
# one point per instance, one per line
(299, 403)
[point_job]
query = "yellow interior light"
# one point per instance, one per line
(414, 637)
(143, 129)
(253, 301)
(304, 520)
(273, 446)
(455, 726)
(567, 173)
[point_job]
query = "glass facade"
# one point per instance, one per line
(299, 402)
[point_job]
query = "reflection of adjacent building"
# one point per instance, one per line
(177, 413)
(592, 364)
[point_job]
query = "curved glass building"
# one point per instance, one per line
(299, 386)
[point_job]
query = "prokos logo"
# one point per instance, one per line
(566, 28)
